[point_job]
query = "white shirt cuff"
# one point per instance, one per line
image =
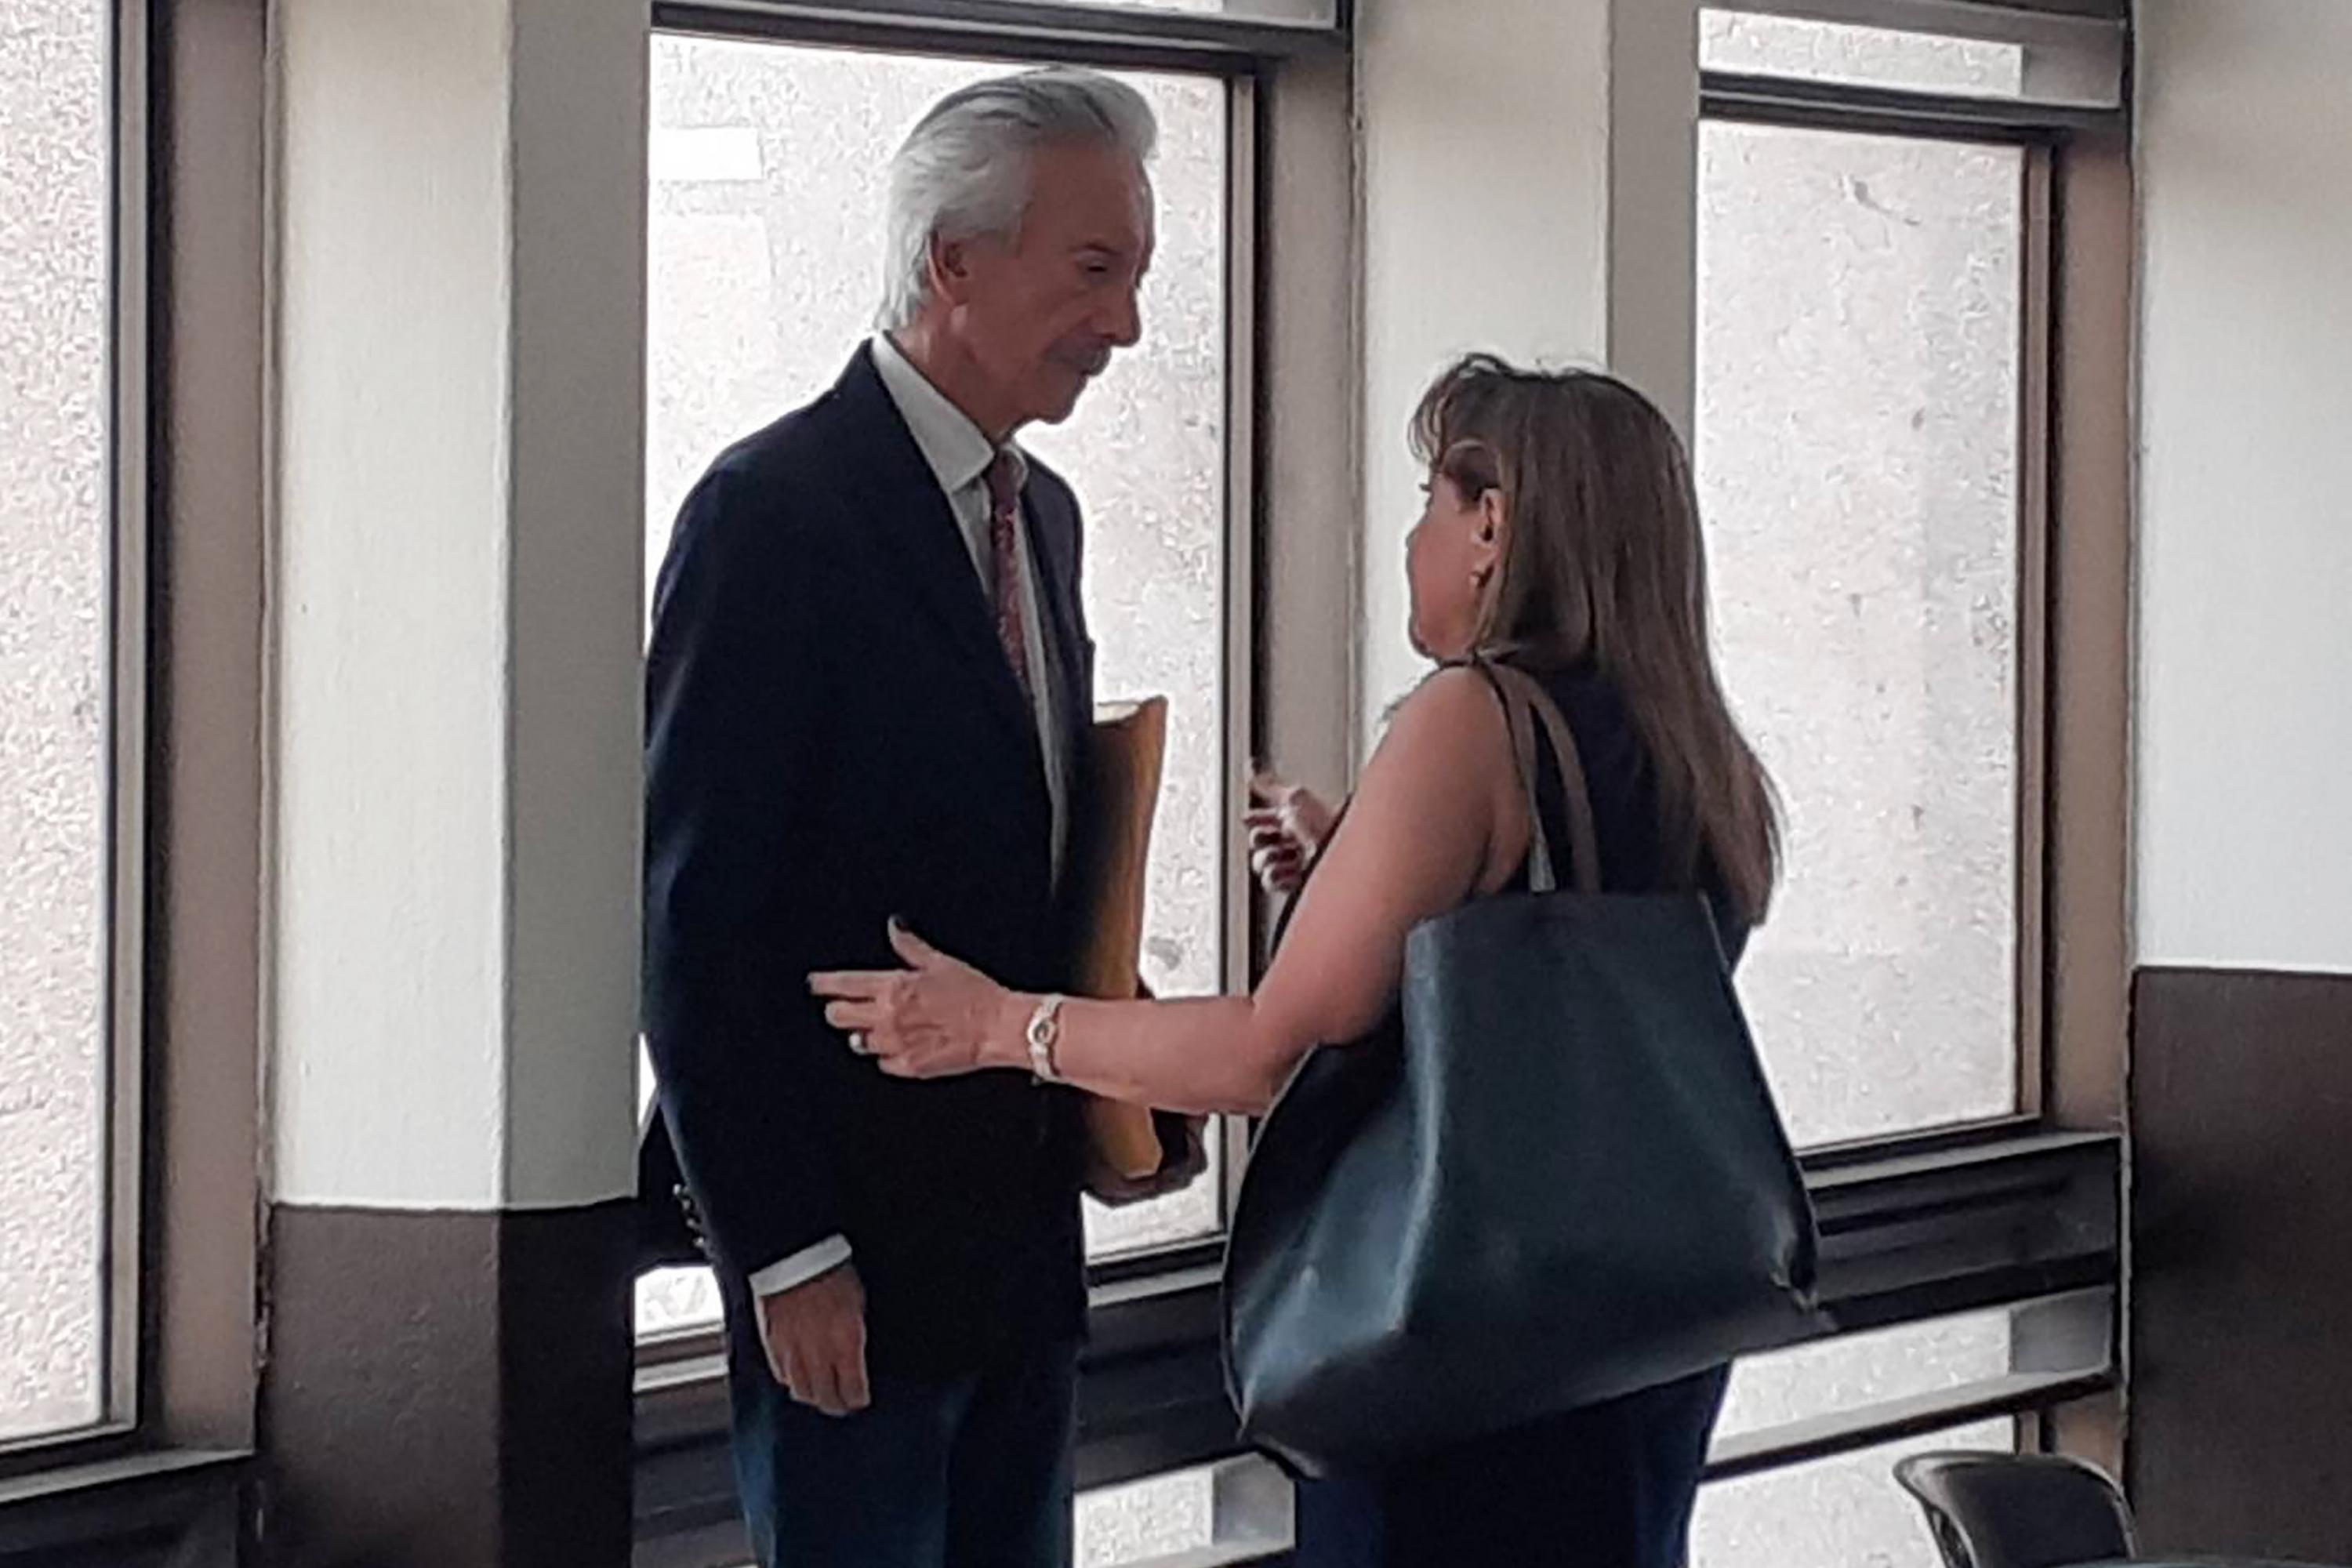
(789, 1273)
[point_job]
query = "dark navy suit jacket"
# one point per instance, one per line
(833, 737)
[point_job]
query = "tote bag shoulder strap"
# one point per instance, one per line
(1526, 705)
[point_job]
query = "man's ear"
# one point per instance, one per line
(949, 263)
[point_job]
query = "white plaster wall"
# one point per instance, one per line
(2244, 749)
(387, 1064)
(1518, 158)
(455, 773)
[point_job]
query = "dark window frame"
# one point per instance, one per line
(2073, 686)
(1111, 36)
(166, 1478)
(1151, 1394)
(912, 33)
(2071, 517)
(122, 983)
(1890, 114)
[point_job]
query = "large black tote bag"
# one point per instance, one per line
(1569, 1183)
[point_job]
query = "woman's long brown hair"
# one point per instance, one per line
(1604, 566)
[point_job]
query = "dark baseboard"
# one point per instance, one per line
(447, 1388)
(2242, 1307)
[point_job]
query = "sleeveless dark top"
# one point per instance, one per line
(1622, 787)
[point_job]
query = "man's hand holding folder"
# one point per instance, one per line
(1136, 1154)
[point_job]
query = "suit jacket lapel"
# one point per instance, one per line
(1052, 534)
(926, 545)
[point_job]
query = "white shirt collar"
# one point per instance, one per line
(955, 447)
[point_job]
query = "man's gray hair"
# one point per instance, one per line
(963, 171)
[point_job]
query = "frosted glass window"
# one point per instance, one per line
(56, 709)
(1854, 55)
(766, 221)
(1845, 1510)
(1860, 323)
(2041, 57)
(1147, 1521)
(1853, 1371)
(1236, 1512)
(1848, 1510)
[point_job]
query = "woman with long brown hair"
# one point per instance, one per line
(1560, 535)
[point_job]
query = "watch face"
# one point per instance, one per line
(1045, 1028)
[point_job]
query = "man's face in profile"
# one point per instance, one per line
(1041, 312)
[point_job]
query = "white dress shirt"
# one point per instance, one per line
(960, 455)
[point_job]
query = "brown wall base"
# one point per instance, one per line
(2241, 1418)
(447, 1389)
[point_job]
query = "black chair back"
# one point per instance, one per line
(2018, 1511)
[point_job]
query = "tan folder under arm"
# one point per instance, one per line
(1125, 753)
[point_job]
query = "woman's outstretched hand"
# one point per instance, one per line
(1287, 825)
(932, 1019)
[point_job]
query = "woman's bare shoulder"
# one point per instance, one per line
(1453, 709)
(1447, 758)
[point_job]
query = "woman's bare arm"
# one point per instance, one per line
(1438, 816)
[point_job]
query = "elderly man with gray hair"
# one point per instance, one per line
(868, 681)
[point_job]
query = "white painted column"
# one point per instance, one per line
(2244, 748)
(457, 596)
(456, 583)
(1529, 172)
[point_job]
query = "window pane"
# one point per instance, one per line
(1842, 1510)
(1857, 447)
(1167, 1516)
(2036, 58)
(1859, 57)
(768, 165)
(1851, 1371)
(56, 519)
(1237, 1512)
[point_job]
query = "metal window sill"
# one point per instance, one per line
(154, 1506)
(1889, 1421)
(121, 1470)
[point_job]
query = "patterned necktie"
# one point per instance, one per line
(1006, 476)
